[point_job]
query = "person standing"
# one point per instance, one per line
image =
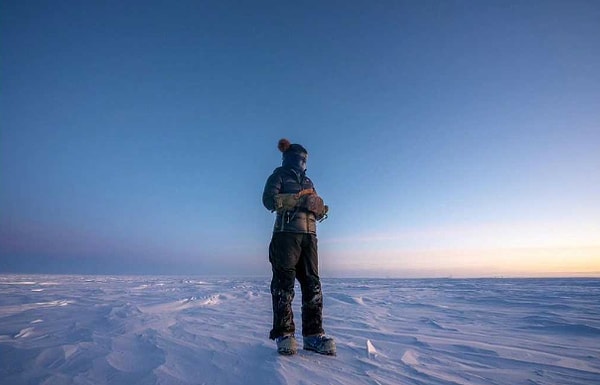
(293, 252)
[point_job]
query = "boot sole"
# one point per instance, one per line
(285, 352)
(323, 352)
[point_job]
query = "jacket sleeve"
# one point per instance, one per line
(272, 188)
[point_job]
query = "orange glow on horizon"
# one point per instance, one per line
(564, 261)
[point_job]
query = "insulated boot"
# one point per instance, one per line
(320, 343)
(287, 345)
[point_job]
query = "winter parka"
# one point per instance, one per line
(285, 181)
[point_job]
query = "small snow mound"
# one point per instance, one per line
(21, 283)
(212, 300)
(24, 333)
(371, 351)
(69, 350)
(353, 300)
(410, 358)
(135, 353)
(61, 302)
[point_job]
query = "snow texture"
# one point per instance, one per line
(168, 330)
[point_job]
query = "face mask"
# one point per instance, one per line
(296, 161)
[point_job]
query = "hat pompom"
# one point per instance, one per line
(283, 145)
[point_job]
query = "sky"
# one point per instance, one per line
(449, 138)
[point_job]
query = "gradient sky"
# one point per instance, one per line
(449, 138)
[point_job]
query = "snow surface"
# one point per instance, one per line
(168, 330)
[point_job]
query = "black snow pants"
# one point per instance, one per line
(294, 256)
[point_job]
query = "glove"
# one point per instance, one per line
(314, 204)
(288, 202)
(285, 202)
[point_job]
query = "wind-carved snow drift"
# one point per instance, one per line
(169, 330)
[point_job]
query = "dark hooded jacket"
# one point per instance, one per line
(285, 180)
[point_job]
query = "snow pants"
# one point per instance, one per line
(294, 256)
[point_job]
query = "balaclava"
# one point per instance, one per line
(294, 156)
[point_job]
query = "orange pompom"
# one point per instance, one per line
(283, 145)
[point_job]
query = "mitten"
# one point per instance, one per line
(285, 202)
(314, 204)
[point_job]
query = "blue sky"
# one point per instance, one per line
(448, 137)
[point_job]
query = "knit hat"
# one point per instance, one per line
(294, 156)
(286, 147)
